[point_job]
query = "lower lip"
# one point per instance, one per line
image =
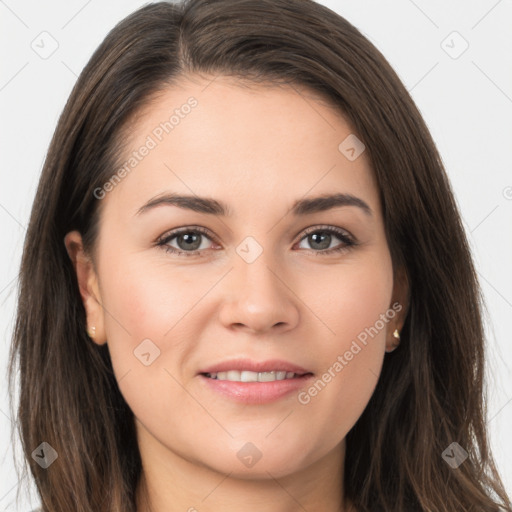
(256, 392)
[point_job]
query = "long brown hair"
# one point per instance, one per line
(430, 393)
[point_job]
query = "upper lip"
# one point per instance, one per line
(255, 366)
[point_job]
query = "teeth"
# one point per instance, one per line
(247, 376)
(232, 375)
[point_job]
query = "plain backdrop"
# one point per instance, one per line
(453, 57)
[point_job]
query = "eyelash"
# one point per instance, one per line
(347, 240)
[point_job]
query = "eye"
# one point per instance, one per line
(320, 237)
(190, 240)
(187, 238)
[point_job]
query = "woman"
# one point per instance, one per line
(182, 347)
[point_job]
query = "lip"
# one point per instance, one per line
(255, 366)
(255, 393)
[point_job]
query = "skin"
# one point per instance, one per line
(258, 149)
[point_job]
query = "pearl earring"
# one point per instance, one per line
(91, 332)
(396, 335)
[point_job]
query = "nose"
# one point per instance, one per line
(258, 299)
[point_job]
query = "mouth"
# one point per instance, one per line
(249, 376)
(252, 382)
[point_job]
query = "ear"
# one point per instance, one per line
(88, 286)
(400, 304)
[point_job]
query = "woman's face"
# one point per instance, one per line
(259, 291)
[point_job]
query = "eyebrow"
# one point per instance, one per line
(305, 206)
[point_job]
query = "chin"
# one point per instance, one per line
(259, 460)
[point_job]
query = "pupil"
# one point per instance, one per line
(190, 238)
(323, 245)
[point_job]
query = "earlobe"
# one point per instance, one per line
(400, 303)
(87, 280)
(393, 345)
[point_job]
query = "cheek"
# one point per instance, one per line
(145, 307)
(350, 355)
(139, 309)
(153, 321)
(362, 300)
(348, 301)
(145, 299)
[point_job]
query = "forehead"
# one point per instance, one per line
(237, 141)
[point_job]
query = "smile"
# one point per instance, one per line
(249, 376)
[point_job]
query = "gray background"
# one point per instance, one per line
(464, 96)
